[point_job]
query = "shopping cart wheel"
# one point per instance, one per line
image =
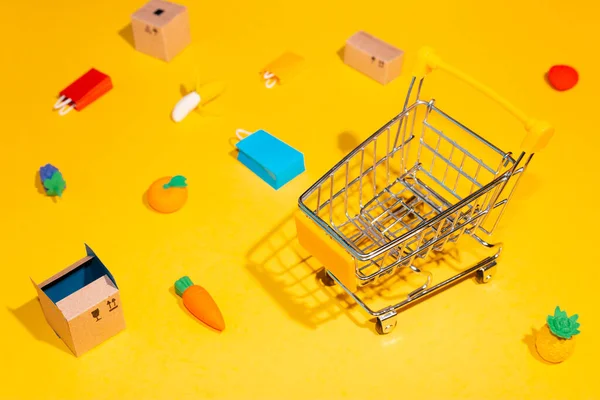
(485, 274)
(325, 278)
(386, 323)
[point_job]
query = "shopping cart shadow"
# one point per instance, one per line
(398, 286)
(293, 278)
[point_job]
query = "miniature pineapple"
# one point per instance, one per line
(556, 340)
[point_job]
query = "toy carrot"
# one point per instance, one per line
(197, 300)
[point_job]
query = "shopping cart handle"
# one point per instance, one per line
(539, 133)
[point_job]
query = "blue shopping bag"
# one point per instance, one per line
(272, 160)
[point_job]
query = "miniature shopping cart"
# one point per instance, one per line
(416, 186)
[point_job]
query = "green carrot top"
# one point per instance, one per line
(176, 181)
(182, 284)
(561, 325)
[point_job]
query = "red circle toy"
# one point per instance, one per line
(562, 77)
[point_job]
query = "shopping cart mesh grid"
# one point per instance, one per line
(420, 182)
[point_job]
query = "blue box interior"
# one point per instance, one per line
(76, 279)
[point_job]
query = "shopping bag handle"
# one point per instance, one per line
(539, 133)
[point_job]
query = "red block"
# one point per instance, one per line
(87, 89)
(563, 77)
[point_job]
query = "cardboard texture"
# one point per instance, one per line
(272, 160)
(82, 304)
(161, 29)
(373, 57)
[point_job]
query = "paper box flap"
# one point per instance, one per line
(64, 272)
(75, 277)
(87, 297)
(91, 253)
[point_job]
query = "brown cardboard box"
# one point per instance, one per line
(82, 304)
(373, 57)
(161, 29)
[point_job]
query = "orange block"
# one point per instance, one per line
(326, 250)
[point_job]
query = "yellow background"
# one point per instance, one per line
(286, 336)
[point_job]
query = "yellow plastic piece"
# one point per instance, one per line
(539, 133)
(326, 250)
(538, 136)
(285, 67)
(426, 62)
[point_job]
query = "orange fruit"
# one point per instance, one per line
(166, 200)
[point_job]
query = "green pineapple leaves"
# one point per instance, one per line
(561, 325)
(55, 185)
(176, 181)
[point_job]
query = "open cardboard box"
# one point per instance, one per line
(82, 304)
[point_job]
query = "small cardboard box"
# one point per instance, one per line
(373, 57)
(161, 29)
(82, 304)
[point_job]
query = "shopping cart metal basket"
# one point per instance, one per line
(418, 184)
